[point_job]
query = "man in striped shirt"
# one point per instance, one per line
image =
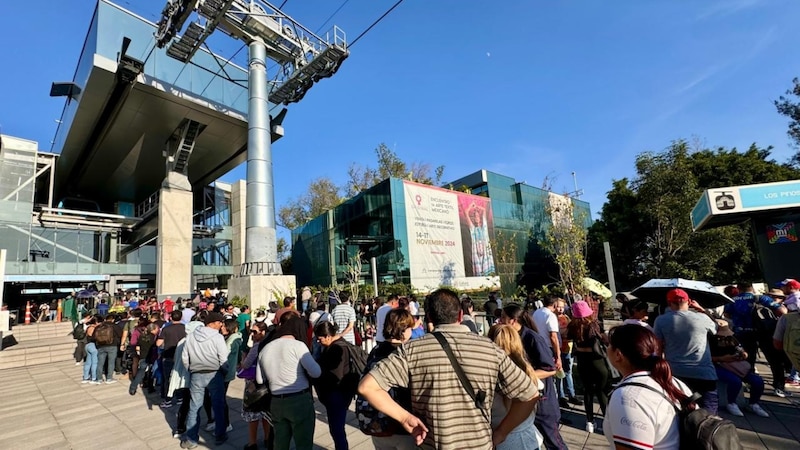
(443, 415)
(345, 318)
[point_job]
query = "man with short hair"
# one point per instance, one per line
(168, 340)
(344, 316)
(204, 355)
(683, 334)
(547, 325)
(443, 415)
(380, 316)
(288, 306)
(107, 353)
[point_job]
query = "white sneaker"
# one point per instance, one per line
(782, 393)
(589, 427)
(733, 409)
(79, 363)
(230, 426)
(85, 381)
(210, 426)
(756, 409)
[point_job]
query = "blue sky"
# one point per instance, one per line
(529, 89)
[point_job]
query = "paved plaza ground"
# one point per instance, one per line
(45, 406)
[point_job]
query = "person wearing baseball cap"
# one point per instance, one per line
(204, 355)
(683, 334)
(792, 290)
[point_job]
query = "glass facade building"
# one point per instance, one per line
(375, 224)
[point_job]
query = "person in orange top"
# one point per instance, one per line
(565, 386)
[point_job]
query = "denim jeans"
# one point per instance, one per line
(106, 354)
(137, 380)
(567, 391)
(90, 365)
(336, 405)
(199, 382)
(734, 383)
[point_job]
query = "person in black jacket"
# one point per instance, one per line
(333, 390)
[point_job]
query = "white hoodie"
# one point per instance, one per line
(205, 350)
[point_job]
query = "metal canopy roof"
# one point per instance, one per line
(127, 163)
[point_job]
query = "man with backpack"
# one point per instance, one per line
(107, 336)
(787, 339)
(750, 314)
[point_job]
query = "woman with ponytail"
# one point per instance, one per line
(638, 417)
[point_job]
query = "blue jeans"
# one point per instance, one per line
(734, 383)
(566, 363)
(198, 385)
(90, 365)
(336, 405)
(106, 355)
(137, 380)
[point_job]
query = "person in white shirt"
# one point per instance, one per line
(547, 326)
(642, 417)
(380, 316)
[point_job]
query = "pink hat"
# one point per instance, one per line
(581, 309)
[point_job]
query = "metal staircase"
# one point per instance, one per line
(186, 145)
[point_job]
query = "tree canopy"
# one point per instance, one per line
(324, 194)
(389, 165)
(789, 106)
(647, 224)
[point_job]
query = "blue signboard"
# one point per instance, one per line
(701, 212)
(769, 195)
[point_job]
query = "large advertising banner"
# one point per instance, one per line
(450, 238)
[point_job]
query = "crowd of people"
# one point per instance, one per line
(432, 379)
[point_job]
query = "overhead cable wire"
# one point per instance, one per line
(351, 44)
(331, 17)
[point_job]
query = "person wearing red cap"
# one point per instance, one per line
(683, 334)
(792, 291)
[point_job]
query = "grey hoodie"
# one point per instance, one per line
(205, 350)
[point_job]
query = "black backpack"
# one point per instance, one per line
(79, 332)
(764, 320)
(700, 430)
(357, 364)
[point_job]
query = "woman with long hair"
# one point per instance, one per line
(247, 372)
(90, 365)
(397, 328)
(524, 436)
(334, 390)
(540, 355)
(585, 333)
(643, 417)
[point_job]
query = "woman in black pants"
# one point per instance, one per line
(585, 332)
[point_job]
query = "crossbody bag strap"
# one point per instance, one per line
(684, 403)
(462, 377)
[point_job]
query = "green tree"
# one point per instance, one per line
(789, 106)
(565, 241)
(389, 165)
(285, 256)
(646, 220)
(322, 194)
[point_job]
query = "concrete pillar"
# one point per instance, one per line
(238, 208)
(260, 241)
(174, 243)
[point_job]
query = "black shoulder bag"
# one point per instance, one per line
(480, 397)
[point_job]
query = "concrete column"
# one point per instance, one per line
(174, 244)
(238, 208)
(260, 240)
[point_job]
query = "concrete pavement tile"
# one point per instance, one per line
(750, 440)
(41, 441)
(41, 426)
